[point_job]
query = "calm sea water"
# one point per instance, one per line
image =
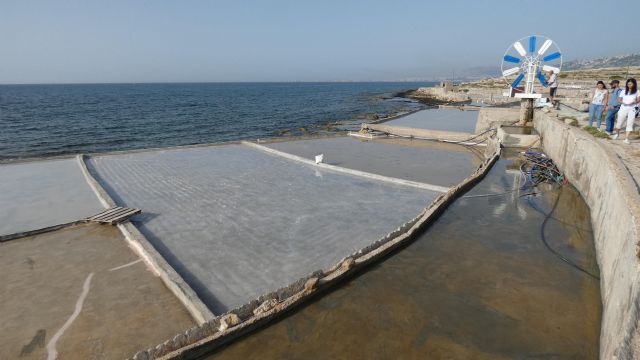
(47, 120)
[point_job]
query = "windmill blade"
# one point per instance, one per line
(519, 48)
(511, 71)
(517, 81)
(512, 59)
(553, 56)
(545, 47)
(532, 44)
(542, 80)
(551, 68)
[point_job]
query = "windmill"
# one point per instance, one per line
(524, 60)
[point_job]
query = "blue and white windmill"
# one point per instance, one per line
(524, 60)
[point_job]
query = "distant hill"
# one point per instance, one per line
(606, 62)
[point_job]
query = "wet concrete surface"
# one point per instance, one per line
(237, 223)
(35, 195)
(439, 119)
(125, 306)
(416, 160)
(478, 284)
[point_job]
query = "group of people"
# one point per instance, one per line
(620, 106)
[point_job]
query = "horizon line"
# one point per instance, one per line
(222, 82)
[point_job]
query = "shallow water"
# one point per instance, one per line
(439, 119)
(38, 194)
(417, 160)
(478, 284)
(237, 222)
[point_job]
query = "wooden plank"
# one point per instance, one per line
(113, 214)
(126, 216)
(104, 213)
(117, 215)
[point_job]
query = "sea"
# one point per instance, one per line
(52, 120)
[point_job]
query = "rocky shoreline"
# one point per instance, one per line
(429, 97)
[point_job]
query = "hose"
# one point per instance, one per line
(546, 243)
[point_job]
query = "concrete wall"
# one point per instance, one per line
(612, 195)
(492, 117)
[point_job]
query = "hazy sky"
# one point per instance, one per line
(160, 40)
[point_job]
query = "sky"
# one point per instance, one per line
(277, 40)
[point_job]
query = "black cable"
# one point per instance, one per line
(570, 107)
(546, 244)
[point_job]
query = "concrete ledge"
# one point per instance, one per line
(509, 139)
(148, 253)
(343, 170)
(418, 133)
(22, 234)
(609, 190)
(200, 340)
(493, 117)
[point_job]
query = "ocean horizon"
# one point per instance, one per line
(44, 120)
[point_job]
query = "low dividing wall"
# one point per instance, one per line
(491, 117)
(418, 133)
(612, 195)
(204, 338)
(174, 282)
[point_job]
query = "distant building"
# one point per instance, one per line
(447, 85)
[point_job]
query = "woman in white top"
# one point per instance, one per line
(599, 98)
(629, 100)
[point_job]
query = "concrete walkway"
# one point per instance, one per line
(630, 156)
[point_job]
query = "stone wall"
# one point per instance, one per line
(612, 195)
(442, 94)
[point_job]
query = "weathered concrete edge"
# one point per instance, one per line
(139, 243)
(199, 340)
(339, 169)
(426, 134)
(22, 234)
(614, 203)
(398, 116)
(492, 117)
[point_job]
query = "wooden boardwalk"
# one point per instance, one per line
(114, 215)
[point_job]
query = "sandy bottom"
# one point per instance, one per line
(439, 119)
(479, 284)
(236, 222)
(417, 160)
(39, 194)
(43, 277)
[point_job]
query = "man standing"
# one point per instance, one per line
(553, 84)
(612, 107)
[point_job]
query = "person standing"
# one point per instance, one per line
(629, 100)
(599, 98)
(553, 84)
(612, 106)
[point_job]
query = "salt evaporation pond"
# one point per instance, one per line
(422, 161)
(237, 222)
(39, 194)
(439, 119)
(477, 284)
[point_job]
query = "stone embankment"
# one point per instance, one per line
(435, 96)
(606, 182)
